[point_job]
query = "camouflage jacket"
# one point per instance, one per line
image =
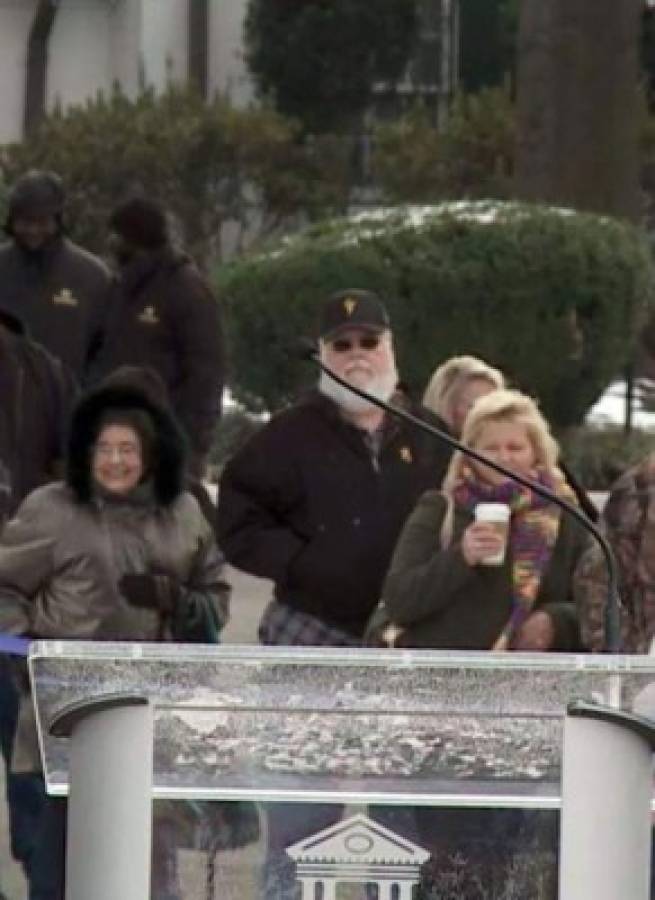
(629, 524)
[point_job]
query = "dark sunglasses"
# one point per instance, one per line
(368, 342)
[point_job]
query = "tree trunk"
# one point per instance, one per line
(578, 104)
(36, 68)
(198, 45)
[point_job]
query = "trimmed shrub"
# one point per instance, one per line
(552, 297)
(209, 163)
(472, 155)
(598, 456)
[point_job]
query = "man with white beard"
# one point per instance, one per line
(316, 499)
(315, 502)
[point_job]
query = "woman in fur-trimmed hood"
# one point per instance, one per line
(118, 551)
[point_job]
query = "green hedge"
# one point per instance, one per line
(598, 456)
(554, 298)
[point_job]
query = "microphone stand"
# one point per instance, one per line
(612, 623)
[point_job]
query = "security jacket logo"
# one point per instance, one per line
(149, 316)
(65, 298)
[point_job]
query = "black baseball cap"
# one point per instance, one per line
(352, 308)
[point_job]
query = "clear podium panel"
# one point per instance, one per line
(331, 726)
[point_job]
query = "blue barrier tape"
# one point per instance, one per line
(14, 646)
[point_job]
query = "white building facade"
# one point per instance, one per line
(357, 851)
(94, 44)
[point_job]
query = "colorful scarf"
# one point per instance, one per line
(534, 526)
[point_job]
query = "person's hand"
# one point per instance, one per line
(537, 633)
(480, 541)
(146, 591)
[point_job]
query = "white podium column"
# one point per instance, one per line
(109, 838)
(606, 795)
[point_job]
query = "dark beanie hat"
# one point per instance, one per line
(141, 222)
(36, 193)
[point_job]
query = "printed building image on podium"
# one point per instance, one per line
(357, 851)
(414, 739)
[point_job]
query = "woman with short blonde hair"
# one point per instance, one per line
(456, 385)
(460, 582)
(502, 405)
(442, 591)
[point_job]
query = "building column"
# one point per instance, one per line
(384, 892)
(329, 889)
(308, 888)
(406, 890)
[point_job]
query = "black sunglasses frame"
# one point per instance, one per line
(367, 342)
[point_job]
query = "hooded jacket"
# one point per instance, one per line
(61, 294)
(164, 316)
(65, 550)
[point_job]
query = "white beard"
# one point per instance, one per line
(379, 386)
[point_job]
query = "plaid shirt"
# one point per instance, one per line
(282, 625)
(629, 524)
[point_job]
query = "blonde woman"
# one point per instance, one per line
(456, 385)
(438, 592)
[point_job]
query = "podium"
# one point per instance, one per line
(377, 739)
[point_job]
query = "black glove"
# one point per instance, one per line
(158, 592)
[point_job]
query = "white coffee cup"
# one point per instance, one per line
(498, 514)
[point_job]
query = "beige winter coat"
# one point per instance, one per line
(60, 562)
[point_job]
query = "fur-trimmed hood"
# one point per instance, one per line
(117, 391)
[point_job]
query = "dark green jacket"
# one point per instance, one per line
(444, 603)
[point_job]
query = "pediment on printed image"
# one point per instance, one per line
(358, 840)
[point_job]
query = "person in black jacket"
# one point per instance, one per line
(38, 393)
(57, 289)
(316, 499)
(163, 315)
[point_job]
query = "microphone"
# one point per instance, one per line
(307, 350)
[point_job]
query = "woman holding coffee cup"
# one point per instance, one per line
(487, 564)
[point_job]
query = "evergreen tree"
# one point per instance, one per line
(318, 60)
